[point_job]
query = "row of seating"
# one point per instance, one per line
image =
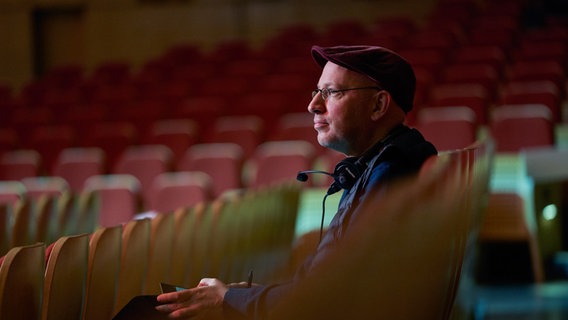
(93, 275)
(454, 182)
(475, 55)
(178, 134)
(513, 127)
(150, 178)
(41, 216)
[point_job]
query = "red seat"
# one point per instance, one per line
(174, 190)
(435, 123)
(49, 141)
(502, 38)
(277, 162)
(265, 105)
(479, 73)
(428, 59)
(474, 96)
(119, 195)
(202, 108)
(19, 164)
(113, 138)
(145, 162)
(76, 165)
(223, 162)
(534, 92)
(533, 50)
(515, 127)
(539, 70)
(246, 131)
(486, 54)
(297, 126)
(8, 139)
(176, 134)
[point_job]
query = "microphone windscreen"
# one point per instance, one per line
(302, 177)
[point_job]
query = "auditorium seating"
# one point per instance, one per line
(435, 124)
(509, 125)
(102, 273)
(120, 197)
(133, 261)
(182, 98)
(76, 165)
(172, 190)
(145, 162)
(223, 162)
(21, 282)
(278, 161)
(65, 278)
(19, 164)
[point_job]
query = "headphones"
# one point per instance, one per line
(350, 169)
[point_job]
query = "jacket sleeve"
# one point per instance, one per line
(253, 303)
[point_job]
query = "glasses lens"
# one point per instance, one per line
(314, 93)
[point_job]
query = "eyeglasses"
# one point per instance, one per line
(326, 92)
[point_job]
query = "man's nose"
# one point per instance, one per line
(317, 105)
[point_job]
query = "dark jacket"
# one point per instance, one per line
(403, 155)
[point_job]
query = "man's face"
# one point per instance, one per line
(343, 120)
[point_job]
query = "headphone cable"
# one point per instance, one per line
(322, 216)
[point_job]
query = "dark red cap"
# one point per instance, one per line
(388, 69)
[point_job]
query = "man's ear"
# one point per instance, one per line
(382, 103)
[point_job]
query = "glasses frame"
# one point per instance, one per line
(327, 92)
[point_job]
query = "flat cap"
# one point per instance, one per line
(387, 68)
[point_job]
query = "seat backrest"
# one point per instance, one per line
(223, 162)
(279, 161)
(45, 212)
(45, 185)
(133, 261)
(102, 275)
(23, 223)
(297, 126)
(119, 196)
(19, 164)
(472, 95)
(176, 134)
(145, 162)
(65, 278)
(542, 92)
(435, 123)
(75, 165)
(160, 257)
(509, 125)
(245, 131)
(12, 191)
(21, 282)
(186, 224)
(49, 140)
(113, 138)
(173, 190)
(5, 228)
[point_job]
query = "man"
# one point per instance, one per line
(359, 108)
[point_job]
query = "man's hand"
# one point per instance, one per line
(206, 297)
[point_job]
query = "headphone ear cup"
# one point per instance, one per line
(347, 172)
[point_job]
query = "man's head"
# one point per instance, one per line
(362, 93)
(389, 70)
